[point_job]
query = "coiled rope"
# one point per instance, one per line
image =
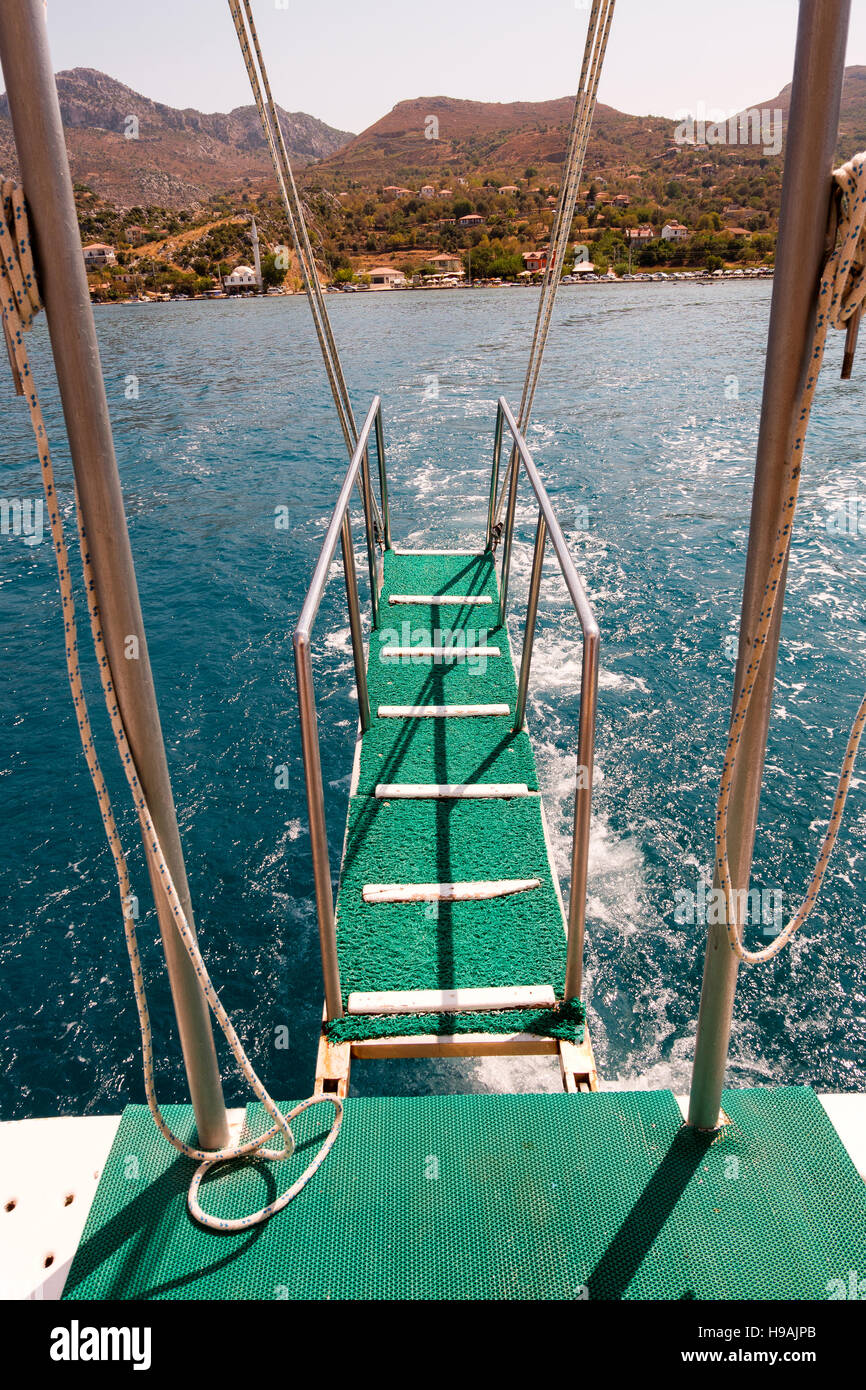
(841, 295)
(20, 300)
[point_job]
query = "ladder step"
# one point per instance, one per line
(447, 892)
(441, 711)
(428, 1001)
(425, 791)
(453, 653)
(440, 600)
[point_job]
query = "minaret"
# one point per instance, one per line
(257, 260)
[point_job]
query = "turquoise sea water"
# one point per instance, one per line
(644, 430)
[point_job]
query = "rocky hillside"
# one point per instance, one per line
(166, 156)
(502, 139)
(488, 137)
(182, 159)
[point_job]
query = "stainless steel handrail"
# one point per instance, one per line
(548, 524)
(340, 529)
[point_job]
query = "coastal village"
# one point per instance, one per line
(462, 238)
(439, 193)
(390, 210)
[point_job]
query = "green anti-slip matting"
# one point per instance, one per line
(515, 940)
(423, 681)
(445, 750)
(566, 1023)
(604, 1196)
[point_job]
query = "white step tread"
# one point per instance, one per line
(475, 891)
(442, 711)
(425, 791)
(455, 653)
(422, 1001)
(440, 600)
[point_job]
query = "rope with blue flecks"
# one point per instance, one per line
(841, 294)
(19, 298)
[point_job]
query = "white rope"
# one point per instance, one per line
(20, 300)
(261, 88)
(597, 34)
(841, 295)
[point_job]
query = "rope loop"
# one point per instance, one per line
(19, 299)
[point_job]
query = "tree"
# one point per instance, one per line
(272, 274)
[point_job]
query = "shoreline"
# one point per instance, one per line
(726, 277)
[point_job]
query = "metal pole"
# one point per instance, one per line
(513, 474)
(383, 480)
(318, 828)
(582, 813)
(811, 139)
(494, 477)
(355, 623)
(529, 627)
(42, 159)
(372, 566)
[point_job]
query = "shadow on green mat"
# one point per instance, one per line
(150, 1221)
(637, 1235)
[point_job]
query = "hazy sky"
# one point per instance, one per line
(349, 63)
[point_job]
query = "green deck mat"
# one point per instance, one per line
(517, 940)
(605, 1196)
(422, 681)
(566, 1023)
(445, 750)
(514, 940)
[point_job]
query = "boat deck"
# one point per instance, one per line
(601, 1196)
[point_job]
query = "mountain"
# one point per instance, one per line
(504, 138)
(179, 158)
(852, 111)
(475, 136)
(182, 158)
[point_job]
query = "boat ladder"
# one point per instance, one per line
(449, 936)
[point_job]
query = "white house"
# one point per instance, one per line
(98, 254)
(641, 235)
(243, 277)
(427, 191)
(674, 231)
(472, 219)
(385, 277)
